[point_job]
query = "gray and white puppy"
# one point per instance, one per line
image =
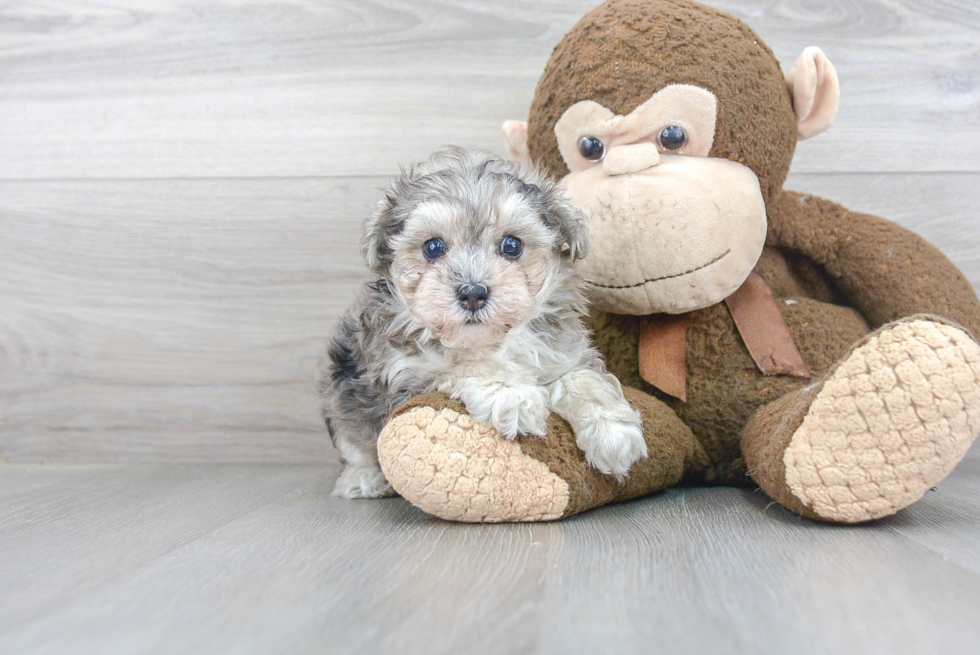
(475, 295)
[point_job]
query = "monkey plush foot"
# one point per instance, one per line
(887, 424)
(442, 461)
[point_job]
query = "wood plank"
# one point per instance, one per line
(92, 523)
(706, 571)
(297, 88)
(181, 320)
(184, 319)
(307, 554)
(192, 559)
(942, 517)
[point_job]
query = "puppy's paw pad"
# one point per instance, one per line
(613, 447)
(362, 482)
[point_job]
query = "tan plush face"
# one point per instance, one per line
(630, 67)
(672, 230)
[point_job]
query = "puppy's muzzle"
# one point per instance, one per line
(472, 296)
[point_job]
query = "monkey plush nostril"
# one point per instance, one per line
(472, 296)
(631, 158)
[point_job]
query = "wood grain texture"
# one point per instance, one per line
(258, 559)
(298, 88)
(66, 530)
(181, 189)
(188, 309)
(181, 320)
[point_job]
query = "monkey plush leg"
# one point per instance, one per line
(881, 428)
(448, 465)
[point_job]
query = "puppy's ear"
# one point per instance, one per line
(375, 246)
(570, 223)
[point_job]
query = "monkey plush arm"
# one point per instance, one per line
(887, 271)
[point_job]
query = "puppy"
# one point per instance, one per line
(476, 295)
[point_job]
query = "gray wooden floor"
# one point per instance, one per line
(171, 558)
(181, 188)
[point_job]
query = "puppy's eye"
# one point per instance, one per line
(433, 249)
(511, 247)
(672, 138)
(591, 148)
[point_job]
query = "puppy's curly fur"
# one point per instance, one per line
(476, 295)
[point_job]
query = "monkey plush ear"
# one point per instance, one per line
(515, 138)
(815, 89)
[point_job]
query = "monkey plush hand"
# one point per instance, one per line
(765, 336)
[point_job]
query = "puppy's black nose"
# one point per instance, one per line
(473, 296)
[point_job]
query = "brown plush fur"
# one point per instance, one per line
(883, 270)
(724, 386)
(844, 273)
(674, 453)
(766, 437)
(836, 275)
(623, 51)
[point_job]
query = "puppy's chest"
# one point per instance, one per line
(507, 363)
(501, 365)
(431, 371)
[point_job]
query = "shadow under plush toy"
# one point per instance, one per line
(764, 335)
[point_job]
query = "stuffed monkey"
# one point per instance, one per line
(765, 336)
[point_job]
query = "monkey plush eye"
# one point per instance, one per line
(591, 148)
(511, 247)
(672, 138)
(433, 249)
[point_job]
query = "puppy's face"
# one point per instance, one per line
(470, 274)
(473, 246)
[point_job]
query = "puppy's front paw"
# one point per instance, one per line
(362, 482)
(613, 446)
(512, 410)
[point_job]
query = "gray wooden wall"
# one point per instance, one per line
(181, 186)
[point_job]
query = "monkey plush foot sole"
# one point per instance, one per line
(888, 424)
(446, 464)
(442, 461)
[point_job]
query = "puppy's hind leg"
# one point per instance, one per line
(361, 476)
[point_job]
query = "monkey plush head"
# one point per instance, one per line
(672, 163)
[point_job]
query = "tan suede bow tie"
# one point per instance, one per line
(663, 339)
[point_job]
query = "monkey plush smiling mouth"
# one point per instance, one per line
(704, 217)
(680, 203)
